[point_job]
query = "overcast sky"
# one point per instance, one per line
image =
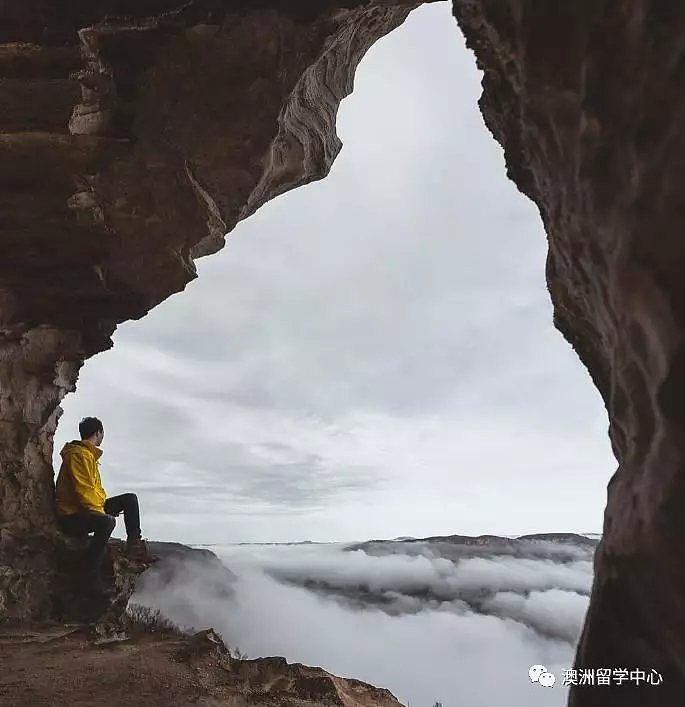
(371, 355)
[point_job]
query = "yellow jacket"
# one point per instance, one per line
(78, 484)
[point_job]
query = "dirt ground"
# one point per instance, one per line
(64, 665)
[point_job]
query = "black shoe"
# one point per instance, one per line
(137, 550)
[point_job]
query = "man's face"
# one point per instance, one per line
(99, 437)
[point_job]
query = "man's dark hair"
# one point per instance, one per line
(89, 426)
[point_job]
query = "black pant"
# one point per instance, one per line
(102, 524)
(128, 503)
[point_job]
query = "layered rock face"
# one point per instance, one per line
(133, 136)
(587, 99)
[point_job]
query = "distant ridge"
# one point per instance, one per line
(575, 538)
(489, 540)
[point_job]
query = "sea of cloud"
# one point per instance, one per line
(430, 623)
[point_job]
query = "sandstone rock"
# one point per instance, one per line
(159, 124)
(164, 124)
(133, 137)
(586, 98)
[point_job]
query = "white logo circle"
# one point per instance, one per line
(547, 679)
(535, 671)
(540, 675)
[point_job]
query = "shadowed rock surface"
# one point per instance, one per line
(74, 600)
(587, 99)
(159, 126)
(134, 135)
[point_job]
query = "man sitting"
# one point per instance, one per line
(83, 506)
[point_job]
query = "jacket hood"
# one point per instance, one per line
(78, 446)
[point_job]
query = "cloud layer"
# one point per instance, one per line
(463, 630)
(542, 585)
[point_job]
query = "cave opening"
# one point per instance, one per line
(371, 356)
(374, 352)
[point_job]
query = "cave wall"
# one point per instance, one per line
(36, 370)
(133, 137)
(587, 99)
